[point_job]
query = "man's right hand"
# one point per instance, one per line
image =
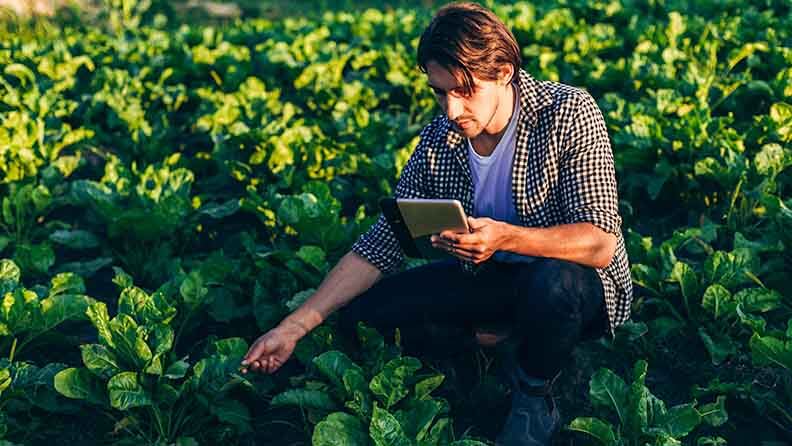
(270, 351)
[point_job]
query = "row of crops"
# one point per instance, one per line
(170, 192)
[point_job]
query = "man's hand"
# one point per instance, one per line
(486, 237)
(270, 351)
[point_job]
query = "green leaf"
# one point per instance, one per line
(417, 418)
(146, 308)
(9, 272)
(66, 283)
(768, 350)
(718, 301)
(97, 313)
(340, 429)
(390, 384)
(74, 239)
(232, 412)
(681, 420)
(356, 388)
(608, 390)
(595, 427)
(122, 279)
(193, 290)
(126, 392)
(719, 345)
(63, 307)
(715, 413)
(129, 342)
(637, 407)
(312, 399)
(758, 300)
(755, 323)
(385, 430)
(299, 298)
(373, 346)
(314, 256)
(99, 360)
(231, 347)
(177, 370)
(21, 72)
(37, 258)
(218, 211)
(333, 365)
(684, 275)
(5, 380)
(426, 386)
(79, 384)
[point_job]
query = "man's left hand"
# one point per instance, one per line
(486, 237)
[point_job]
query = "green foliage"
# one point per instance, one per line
(642, 418)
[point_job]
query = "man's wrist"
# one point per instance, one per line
(510, 235)
(293, 328)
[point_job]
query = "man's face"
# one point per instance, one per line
(469, 114)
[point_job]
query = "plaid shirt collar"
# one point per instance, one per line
(533, 97)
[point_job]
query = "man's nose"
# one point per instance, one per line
(454, 108)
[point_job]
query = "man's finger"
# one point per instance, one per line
(463, 247)
(259, 349)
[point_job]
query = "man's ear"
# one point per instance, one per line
(505, 74)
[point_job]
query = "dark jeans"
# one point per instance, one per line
(550, 305)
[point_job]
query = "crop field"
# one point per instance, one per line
(171, 190)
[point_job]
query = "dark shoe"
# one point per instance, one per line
(534, 417)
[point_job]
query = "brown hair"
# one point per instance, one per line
(467, 39)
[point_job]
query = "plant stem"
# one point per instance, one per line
(13, 350)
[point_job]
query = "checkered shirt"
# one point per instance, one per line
(562, 173)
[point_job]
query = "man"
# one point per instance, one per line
(532, 162)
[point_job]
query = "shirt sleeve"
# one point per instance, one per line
(587, 174)
(379, 245)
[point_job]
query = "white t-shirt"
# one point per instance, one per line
(492, 183)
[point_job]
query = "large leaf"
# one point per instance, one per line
(417, 417)
(608, 390)
(312, 399)
(63, 307)
(769, 350)
(232, 412)
(99, 360)
(64, 283)
(385, 430)
(715, 413)
(390, 384)
(129, 342)
(75, 239)
(333, 365)
(193, 290)
(719, 345)
(681, 420)
(80, 384)
(595, 427)
(97, 313)
(637, 407)
(758, 300)
(126, 392)
(684, 275)
(718, 301)
(359, 398)
(340, 429)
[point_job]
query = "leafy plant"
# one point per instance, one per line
(641, 417)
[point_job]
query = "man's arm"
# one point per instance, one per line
(351, 276)
(582, 243)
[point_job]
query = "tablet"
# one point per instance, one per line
(415, 220)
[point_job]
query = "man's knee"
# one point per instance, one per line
(552, 288)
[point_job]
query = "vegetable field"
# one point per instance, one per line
(171, 191)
